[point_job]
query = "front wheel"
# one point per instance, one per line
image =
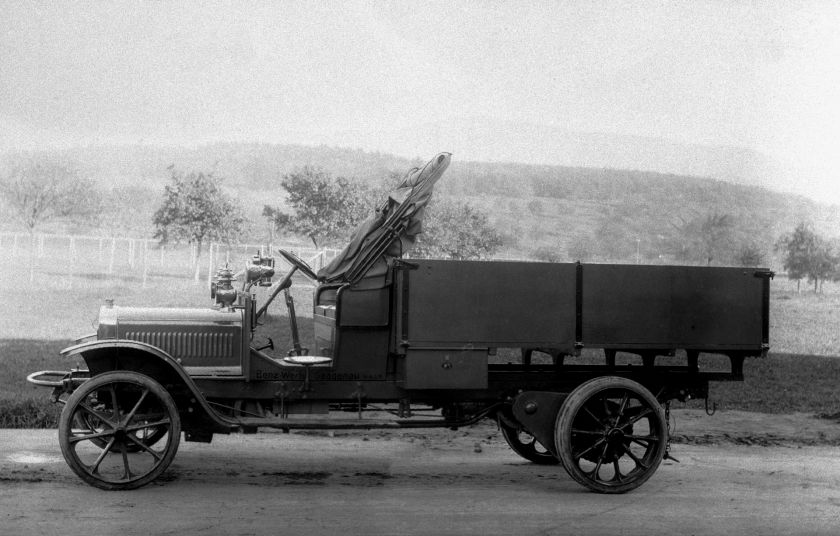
(611, 434)
(102, 425)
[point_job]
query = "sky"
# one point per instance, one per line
(759, 75)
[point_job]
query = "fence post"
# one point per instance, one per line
(40, 246)
(210, 265)
(71, 250)
(113, 252)
(15, 246)
(32, 253)
(145, 261)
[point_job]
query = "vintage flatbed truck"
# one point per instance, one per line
(401, 342)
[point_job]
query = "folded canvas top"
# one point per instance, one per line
(391, 231)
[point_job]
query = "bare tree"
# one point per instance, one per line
(37, 192)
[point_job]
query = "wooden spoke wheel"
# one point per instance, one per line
(611, 434)
(119, 430)
(148, 436)
(524, 444)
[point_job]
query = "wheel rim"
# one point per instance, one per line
(614, 439)
(120, 431)
(526, 445)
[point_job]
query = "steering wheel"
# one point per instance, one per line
(298, 263)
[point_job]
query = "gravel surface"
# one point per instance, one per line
(739, 473)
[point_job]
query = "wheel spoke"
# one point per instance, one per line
(136, 406)
(587, 432)
(636, 418)
(141, 426)
(105, 433)
(594, 418)
(145, 447)
(595, 445)
(115, 404)
(617, 476)
(622, 406)
(594, 473)
(127, 474)
(96, 414)
(648, 438)
(95, 467)
(639, 463)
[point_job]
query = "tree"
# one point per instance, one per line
(38, 192)
(715, 236)
(324, 209)
(750, 254)
(456, 230)
(547, 254)
(806, 254)
(196, 210)
(705, 239)
(824, 265)
(277, 220)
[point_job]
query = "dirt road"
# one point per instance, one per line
(438, 482)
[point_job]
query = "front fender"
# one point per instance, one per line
(143, 358)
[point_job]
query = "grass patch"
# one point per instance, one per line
(23, 405)
(29, 413)
(782, 383)
(20, 357)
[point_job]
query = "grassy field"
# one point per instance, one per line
(798, 376)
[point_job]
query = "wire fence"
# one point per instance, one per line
(71, 259)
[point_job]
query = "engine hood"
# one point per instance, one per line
(194, 336)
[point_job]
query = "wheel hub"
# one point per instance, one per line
(120, 435)
(615, 444)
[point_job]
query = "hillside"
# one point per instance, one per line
(556, 212)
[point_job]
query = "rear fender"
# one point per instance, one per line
(120, 354)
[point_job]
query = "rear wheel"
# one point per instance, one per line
(611, 434)
(524, 444)
(119, 430)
